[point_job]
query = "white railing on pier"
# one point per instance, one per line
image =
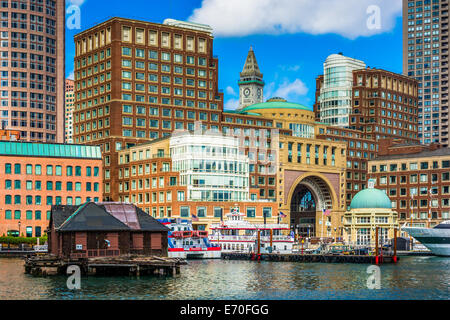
(41, 248)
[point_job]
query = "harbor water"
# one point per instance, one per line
(412, 278)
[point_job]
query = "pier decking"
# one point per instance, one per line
(324, 258)
(120, 265)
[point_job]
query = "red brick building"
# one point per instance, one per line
(35, 176)
(416, 178)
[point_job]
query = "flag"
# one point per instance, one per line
(282, 215)
(326, 212)
(194, 217)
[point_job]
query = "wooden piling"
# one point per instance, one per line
(395, 245)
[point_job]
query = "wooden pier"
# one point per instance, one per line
(107, 266)
(324, 258)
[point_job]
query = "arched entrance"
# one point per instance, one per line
(308, 200)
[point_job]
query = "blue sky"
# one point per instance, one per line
(291, 38)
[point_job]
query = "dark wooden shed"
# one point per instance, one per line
(104, 230)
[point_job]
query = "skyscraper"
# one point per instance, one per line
(32, 62)
(425, 57)
(69, 103)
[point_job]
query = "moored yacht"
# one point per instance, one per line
(437, 239)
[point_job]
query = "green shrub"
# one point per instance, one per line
(22, 240)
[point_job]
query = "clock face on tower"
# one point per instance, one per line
(246, 92)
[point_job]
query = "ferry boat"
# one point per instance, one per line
(436, 239)
(186, 243)
(236, 234)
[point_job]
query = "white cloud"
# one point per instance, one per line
(231, 104)
(76, 2)
(294, 68)
(291, 90)
(348, 18)
(229, 90)
(71, 76)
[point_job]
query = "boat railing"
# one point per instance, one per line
(249, 238)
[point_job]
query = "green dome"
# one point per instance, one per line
(371, 199)
(275, 104)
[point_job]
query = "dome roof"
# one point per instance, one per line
(371, 199)
(276, 103)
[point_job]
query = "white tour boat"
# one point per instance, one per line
(238, 235)
(186, 243)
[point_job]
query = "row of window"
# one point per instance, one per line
(424, 165)
(49, 200)
(51, 170)
(50, 185)
(423, 177)
(165, 56)
(29, 215)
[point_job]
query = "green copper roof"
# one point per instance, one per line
(371, 199)
(276, 105)
(49, 150)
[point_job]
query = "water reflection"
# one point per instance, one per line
(411, 278)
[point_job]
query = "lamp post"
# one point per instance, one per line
(19, 228)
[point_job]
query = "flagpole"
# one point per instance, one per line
(323, 213)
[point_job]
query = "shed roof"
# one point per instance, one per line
(107, 216)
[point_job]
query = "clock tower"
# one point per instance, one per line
(251, 82)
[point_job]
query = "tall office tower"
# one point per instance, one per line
(425, 57)
(136, 81)
(69, 103)
(32, 62)
(334, 103)
(251, 84)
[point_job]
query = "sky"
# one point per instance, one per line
(291, 38)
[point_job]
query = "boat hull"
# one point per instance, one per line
(436, 240)
(191, 254)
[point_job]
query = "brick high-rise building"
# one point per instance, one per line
(425, 57)
(362, 106)
(32, 62)
(136, 81)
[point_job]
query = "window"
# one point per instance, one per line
(49, 170)
(267, 212)
(201, 212)
(78, 171)
(184, 211)
(218, 212)
(251, 212)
